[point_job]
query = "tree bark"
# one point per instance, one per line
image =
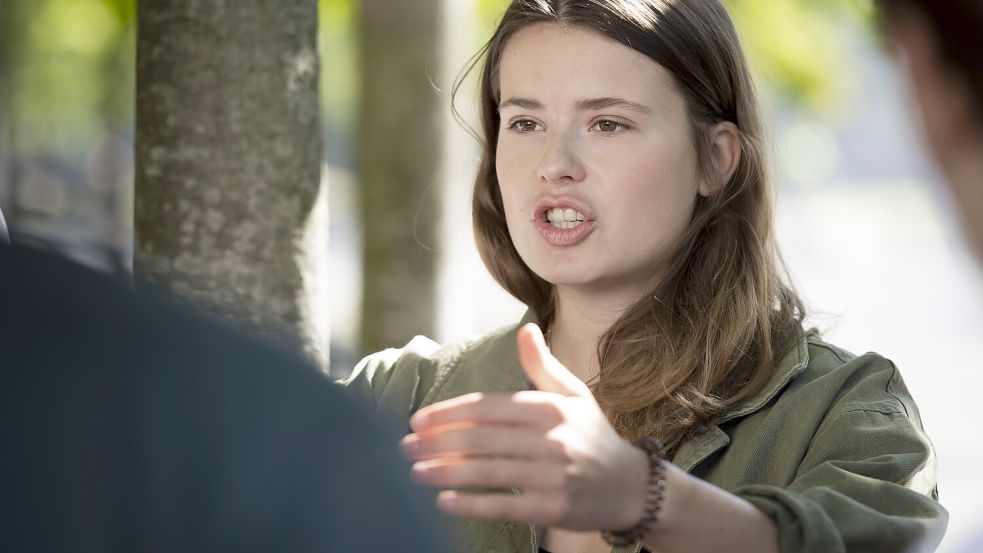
(228, 157)
(400, 147)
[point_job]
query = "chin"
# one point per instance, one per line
(566, 278)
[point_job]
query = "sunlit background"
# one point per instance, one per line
(865, 226)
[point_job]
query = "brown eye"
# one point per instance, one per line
(608, 126)
(524, 125)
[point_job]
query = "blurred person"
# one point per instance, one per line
(129, 423)
(939, 45)
(674, 401)
(939, 42)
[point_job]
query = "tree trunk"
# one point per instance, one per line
(228, 157)
(400, 147)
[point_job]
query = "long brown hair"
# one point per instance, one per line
(708, 336)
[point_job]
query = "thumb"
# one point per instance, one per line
(545, 372)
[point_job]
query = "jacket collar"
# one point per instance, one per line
(789, 367)
(512, 370)
(712, 438)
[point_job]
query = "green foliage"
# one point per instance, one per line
(799, 47)
(124, 10)
(74, 73)
(335, 13)
(489, 13)
(339, 76)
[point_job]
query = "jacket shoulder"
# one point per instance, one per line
(868, 382)
(853, 470)
(398, 381)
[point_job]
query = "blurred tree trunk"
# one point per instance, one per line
(400, 147)
(228, 152)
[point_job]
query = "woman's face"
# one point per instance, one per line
(595, 159)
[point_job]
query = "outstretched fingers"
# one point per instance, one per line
(540, 508)
(535, 409)
(481, 441)
(489, 472)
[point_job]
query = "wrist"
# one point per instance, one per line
(636, 482)
(653, 491)
(677, 503)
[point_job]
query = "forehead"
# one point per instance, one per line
(570, 61)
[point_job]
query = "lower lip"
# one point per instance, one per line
(563, 236)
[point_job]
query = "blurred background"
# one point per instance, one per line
(866, 229)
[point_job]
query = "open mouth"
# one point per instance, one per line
(561, 218)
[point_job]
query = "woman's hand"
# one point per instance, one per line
(554, 444)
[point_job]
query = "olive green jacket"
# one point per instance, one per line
(832, 449)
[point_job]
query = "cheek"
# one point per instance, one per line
(508, 161)
(663, 194)
(510, 190)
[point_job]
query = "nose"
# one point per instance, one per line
(559, 162)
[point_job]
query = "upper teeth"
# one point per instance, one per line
(564, 218)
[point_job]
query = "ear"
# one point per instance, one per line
(725, 154)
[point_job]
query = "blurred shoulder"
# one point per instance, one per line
(423, 371)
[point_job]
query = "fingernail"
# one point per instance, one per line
(409, 446)
(419, 473)
(418, 420)
(446, 501)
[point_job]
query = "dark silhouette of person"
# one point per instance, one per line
(129, 423)
(939, 43)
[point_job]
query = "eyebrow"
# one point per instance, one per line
(590, 104)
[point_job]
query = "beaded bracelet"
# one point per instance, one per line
(653, 502)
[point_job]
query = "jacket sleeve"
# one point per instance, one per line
(867, 482)
(391, 382)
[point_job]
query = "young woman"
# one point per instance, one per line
(675, 402)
